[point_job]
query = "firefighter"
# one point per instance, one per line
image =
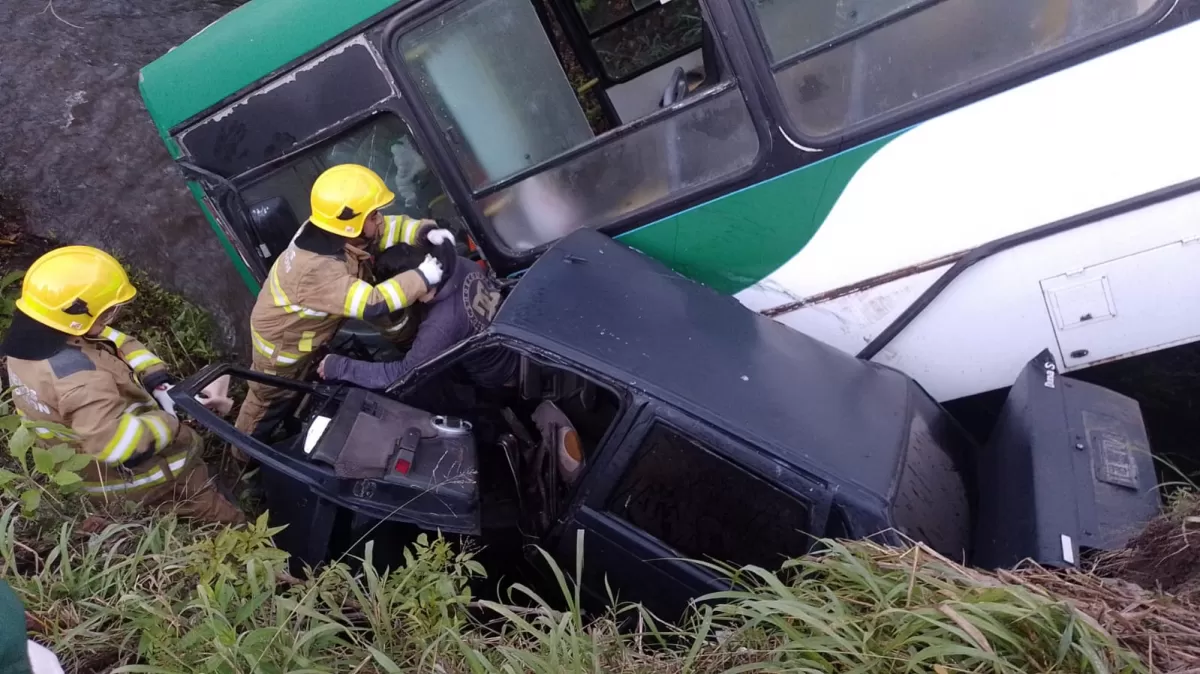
(78, 381)
(318, 282)
(463, 305)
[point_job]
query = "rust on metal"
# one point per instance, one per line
(867, 284)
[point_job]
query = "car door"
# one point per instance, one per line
(676, 490)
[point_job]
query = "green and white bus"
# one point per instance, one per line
(944, 186)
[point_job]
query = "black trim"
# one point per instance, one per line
(934, 105)
(231, 207)
(1012, 241)
(603, 139)
(503, 259)
(359, 28)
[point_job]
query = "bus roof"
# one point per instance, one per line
(242, 47)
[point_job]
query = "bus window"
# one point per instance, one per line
(481, 58)
(536, 168)
(841, 64)
(600, 14)
(641, 33)
(279, 202)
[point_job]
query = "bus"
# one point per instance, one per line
(943, 186)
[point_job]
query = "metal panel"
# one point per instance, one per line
(1108, 311)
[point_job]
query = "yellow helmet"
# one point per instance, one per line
(344, 196)
(68, 288)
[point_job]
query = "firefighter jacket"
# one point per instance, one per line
(93, 394)
(316, 283)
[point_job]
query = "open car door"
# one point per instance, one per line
(425, 475)
(1067, 469)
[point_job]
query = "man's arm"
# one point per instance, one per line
(110, 431)
(432, 339)
(149, 367)
(334, 291)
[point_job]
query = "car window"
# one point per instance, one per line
(704, 506)
(840, 64)
(520, 134)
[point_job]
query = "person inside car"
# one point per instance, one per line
(462, 305)
(318, 283)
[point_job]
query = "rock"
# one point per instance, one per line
(79, 151)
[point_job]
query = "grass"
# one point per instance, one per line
(146, 593)
(176, 330)
(155, 595)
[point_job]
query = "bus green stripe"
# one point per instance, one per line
(737, 240)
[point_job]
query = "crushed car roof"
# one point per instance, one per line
(628, 316)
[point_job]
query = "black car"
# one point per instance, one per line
(706, 432)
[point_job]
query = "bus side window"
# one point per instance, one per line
(841, 64)
(279, 201)
(489, 74)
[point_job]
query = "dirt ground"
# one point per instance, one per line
(18, 248)
(79, 155)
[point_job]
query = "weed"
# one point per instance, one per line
(177, 331)
(159, 596)
(9, 291)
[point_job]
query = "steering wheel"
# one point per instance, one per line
(676, 88)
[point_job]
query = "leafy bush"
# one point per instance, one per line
(9, 291)
(36, 472)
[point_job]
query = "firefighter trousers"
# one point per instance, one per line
(266, 406)
(176, 479)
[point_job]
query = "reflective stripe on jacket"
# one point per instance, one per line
(88, 395)
(307, 295)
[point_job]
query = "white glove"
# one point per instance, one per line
(215, 396)
(432, 270)
(439, 236)
(42, 660)
(164, 400)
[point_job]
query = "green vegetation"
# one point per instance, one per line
(179, 332)
(157, 596)
(10, 289)
(123, 590)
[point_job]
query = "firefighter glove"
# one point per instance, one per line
(448, 258)
(162, 395)
(432, 271)
(439, 236)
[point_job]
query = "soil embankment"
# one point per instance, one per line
(79, 155)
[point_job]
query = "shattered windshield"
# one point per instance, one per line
(384, 144)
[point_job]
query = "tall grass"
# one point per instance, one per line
(157, 596)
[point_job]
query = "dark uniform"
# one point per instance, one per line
(465, 306)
